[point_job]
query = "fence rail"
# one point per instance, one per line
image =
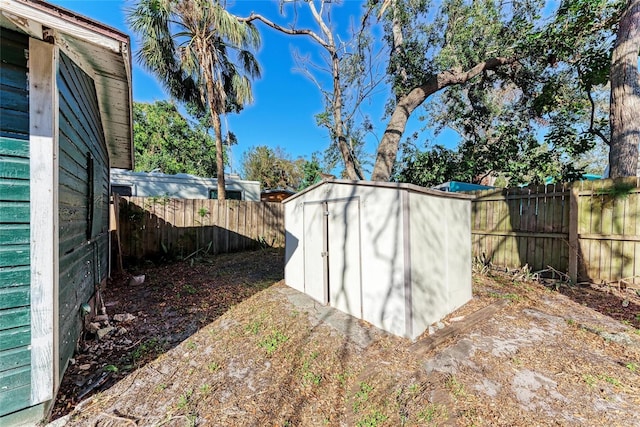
(151, 226)
(589, 230)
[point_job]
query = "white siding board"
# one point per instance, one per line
(44, 228)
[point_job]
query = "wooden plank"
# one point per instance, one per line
(14, 167)
(15, 337)
(14, 400)
(14, 358)
(15, 296)
(43, 110)
(14, 317)
(15, 276)
(14, 255)
(14, 147)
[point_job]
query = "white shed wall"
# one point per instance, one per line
(396, 227)
(381, 251)
(440, 257)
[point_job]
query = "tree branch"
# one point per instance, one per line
(592, 129)
(290, 31)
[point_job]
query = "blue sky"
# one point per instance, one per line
(285, 100)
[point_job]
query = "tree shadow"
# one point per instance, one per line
(175, 300)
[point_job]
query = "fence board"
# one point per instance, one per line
(531, 226)
(186, 226)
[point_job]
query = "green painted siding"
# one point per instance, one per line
(15, 274)
(84, 201)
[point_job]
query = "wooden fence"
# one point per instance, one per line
(152, 226)
(590, 230)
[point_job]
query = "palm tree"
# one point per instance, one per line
(201, 53)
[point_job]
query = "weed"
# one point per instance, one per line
(413, 388)
(111, 368)
(512, 297)
(205, 388)
(571, 322)
(190, 289)
(361, 396)
(183, 400)
(254, 327)
(342, 378)
(203, 212)
(273, 341)
(161, 387)
(191, 345)
(589, 379)
(373, 419)
(456, 388)
(148, 348)
(633, 367)
(432, 412)
(308, 376)
(611, 380)
(213, 367)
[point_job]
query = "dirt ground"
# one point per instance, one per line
(222, 341)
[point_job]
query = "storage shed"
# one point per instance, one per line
(395, 255)
(65, 116)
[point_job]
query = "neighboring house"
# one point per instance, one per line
(180, 186)
(395, 255)
(65, 116)
(276, 195)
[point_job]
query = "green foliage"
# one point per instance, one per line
(272, 167)
(311, 171)
(271, 343)
(165, 140)
(529, 120)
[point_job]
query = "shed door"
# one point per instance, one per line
(314, 251)
(344, 256)
(332, 254)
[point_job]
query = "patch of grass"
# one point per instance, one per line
(431, 413)
(512, 297)
(589, 379)
(191, 345)
(254, 327)
(205, 388)
(183, 400)
(571, 322)
(161, 387)
(308, 376)
(373, 419)
(361, 396)
(273, 341)
(213, 367)
(190, 289)
(612, 380)
(455, 387)
(633, 367)
(148, 348)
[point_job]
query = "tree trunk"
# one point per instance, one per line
(624, 116)
(388, 147)
(217, 130)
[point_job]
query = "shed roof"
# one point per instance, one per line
(377, 184)
(102, 51)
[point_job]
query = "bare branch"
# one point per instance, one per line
(290, 31)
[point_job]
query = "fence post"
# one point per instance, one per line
(573, 232)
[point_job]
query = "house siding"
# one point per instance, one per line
(83, 201)
(15, 276)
